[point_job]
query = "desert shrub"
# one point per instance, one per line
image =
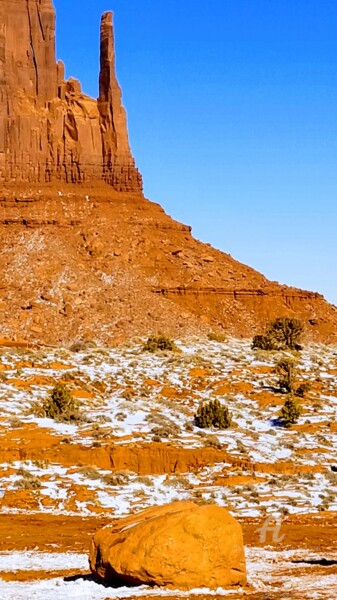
(160, 342)
(212, 414)
(89, 472)
(28, 481)
(282, 334)
(163, 426)
(117, 478)
(291, 411)
(61, 405)
(216, 337)
(303, 389)
(178, 481)
(28, 484)
(212, 441)
(286, 371)
(286, 333)
(15, 422)
(165, 432)
(262, 342)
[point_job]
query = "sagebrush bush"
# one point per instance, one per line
(61, 405)
(160, 342)
(291, 411)
(262, 342)
(286, 332)
(216, 337)
(302, 389)
(286, 370)
(283, 333)
(212, 441)
(28, 481)
(212, 414)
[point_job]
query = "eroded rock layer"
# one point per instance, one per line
(49, 129)
(87, 262)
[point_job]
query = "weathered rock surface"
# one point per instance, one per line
(49, 129)
(87, 262)
(180, 545)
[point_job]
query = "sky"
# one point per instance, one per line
(232, 113)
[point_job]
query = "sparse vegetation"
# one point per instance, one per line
(15, 422)
(81, 346)
(165, 432)
(28, 481)
(211, 441)
(117, 478)
(212, 414)
(155, 397)
(282, 334)
(291, 411)
(157, 343)
(61, 405)
(303, 389)
(89, 472)
(286, 371)
(262, 342)
(216, 337)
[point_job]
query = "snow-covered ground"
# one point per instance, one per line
(129, 395)
(284, 574)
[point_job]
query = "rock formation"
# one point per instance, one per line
(98, 261)
(87, 262)
(49, 129)
(180, 545)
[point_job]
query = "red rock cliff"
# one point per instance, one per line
(49, 129)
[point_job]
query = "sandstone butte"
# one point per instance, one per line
(83, 255)
(180, 545)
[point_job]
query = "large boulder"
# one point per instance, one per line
(181, 545)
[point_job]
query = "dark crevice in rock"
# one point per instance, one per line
(33, 50)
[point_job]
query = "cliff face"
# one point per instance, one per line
(118, 164)
(50, 130)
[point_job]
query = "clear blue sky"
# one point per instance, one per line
(232, 109)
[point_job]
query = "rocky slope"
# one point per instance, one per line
(91, 263)
(82, 253)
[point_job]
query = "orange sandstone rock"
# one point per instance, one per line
(180, 545)
(49, 129)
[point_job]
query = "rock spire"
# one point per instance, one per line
(49, 129)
